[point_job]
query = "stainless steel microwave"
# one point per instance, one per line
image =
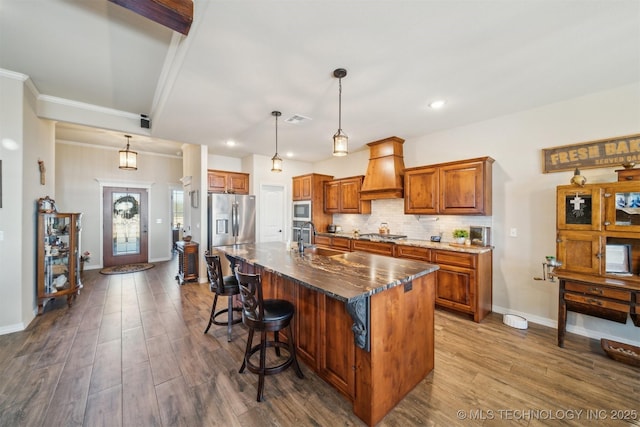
(302, 210)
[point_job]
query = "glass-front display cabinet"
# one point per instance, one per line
(58, 257)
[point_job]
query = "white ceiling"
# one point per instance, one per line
(244, 59)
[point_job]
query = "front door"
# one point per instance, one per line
(125, 226)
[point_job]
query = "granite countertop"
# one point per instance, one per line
(448, 246)
(345, 277)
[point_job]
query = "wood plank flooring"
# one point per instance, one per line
(131, 352)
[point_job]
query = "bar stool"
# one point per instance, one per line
(270, 315)
(226, 286)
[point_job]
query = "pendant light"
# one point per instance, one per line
(128, 158)
(276, 161)
(340, 139)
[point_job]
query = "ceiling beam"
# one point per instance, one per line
(175, 14)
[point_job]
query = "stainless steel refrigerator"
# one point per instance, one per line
(231, 219)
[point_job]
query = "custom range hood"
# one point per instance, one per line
(385, 174)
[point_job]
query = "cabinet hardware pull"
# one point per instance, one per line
(594, 301)
(599, 255)
(595, 291)
(607, 194)
(607, 223)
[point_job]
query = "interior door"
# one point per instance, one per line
(125, 237)
(272, 213)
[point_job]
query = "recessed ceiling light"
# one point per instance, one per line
(231, 143)
(437, 104)
(289, 154)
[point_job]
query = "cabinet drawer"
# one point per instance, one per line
(413, 252)
(341, 242)
(598, 291)
(597, 302)
(381, 248)
(322, 240)
(455, 258)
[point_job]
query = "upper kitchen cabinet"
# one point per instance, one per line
(343, 196)
(421, 190)
(305, 187)
(227, 182)
(453, 188)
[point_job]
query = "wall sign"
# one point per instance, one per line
(602, 153)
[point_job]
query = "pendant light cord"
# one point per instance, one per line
(339, 104)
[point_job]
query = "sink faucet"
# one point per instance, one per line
(300, 240)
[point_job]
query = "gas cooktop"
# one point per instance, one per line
(378, 236)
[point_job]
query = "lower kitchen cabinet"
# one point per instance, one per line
(322, 330)
(338, 351)
(464, 282)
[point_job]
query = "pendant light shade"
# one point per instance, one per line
(340, 139)
(276, 161)
(128, 158)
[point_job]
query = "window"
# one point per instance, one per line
(177, 209)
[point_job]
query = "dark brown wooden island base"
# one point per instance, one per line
(363, 323)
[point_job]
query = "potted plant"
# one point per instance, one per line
(460, 235)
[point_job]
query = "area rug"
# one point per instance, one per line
(126, 268)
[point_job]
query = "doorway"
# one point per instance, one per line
(125, 237)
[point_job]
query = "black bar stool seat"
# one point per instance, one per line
(266, 315)
(226, 286)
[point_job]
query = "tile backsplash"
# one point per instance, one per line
(420, 227)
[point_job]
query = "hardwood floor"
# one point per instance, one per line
(131, 352)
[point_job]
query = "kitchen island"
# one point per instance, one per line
(363, 323)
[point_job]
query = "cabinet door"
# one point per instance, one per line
(337, 362)
(217, 181)
(580, 252)
(296, 190)
(350, 195)
(302, 188)
(421, 191)
(579, 208)
(455, 288)
(238, 182)
(331, 197)
(306, 323)
(622, 204)
(462, 189)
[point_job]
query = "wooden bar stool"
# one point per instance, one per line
(270, 315)
(226, 286)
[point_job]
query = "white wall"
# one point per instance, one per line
(524, 197)
(80, 169)
(24, 139)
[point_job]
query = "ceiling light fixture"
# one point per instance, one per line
(340, 139)
(276, 161)
(128, 158)
(437, 104)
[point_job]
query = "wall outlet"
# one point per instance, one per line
(513, 232)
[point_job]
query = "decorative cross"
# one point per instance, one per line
(576, 202)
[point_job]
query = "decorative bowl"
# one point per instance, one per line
(621, 352)
(629, 165)
(186, 239)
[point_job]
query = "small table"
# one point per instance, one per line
(604, 297)
(187, 261)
